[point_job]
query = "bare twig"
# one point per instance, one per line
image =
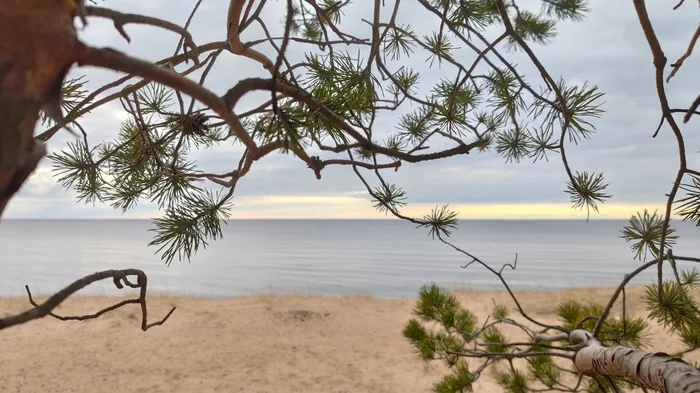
(677, 65)
(692, 110)
(121, 19)
(499, 274)
(119, 277)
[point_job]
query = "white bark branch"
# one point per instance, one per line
(657, 371)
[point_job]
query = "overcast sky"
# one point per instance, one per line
(607, 49)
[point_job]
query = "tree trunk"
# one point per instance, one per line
(37, 40)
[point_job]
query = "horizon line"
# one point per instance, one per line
(321, 219)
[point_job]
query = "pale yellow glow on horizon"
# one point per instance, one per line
(350, 207)
(314, 207)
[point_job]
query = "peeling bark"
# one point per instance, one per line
(657, 371)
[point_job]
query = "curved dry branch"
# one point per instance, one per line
(121, 19)
(85, 105)
(114, 60)
(233, 36)
(119, 277)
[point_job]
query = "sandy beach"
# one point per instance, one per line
(266, 343)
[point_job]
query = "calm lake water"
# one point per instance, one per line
(384, 258)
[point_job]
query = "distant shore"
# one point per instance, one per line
(257, 343)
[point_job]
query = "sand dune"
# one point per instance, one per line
(266, 343)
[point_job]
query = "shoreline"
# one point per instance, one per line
(126, 292)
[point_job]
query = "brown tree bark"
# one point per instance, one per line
(38, 46)
(37, 41)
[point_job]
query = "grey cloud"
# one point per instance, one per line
(607, 49)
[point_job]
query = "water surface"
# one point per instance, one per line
(385, 258)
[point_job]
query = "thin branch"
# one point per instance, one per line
(505, 285)
(692, 110)
(187, 25)
(677, 65)
(659, 59)
(613, 298)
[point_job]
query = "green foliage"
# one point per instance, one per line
(389, 196)
(441, 221)
(457, 325)
(437, 305)
(534, 28)
(474, 14)
(581, 103)
(149, 160)
(185, 227)
(441, 309)
(688, 207)
(456, 335)
(440, 47)
(513, 381)
(398, 41)
(606, 384)
(76, 169)
(566, 9)
(676, 310)
(73, 92)
(690, 336)
(587, 190)
(456, 328)
(414, 126)
(480, 100)
(691, 278)
(423, 340)
(645, 231)
(310, 27)
(500, 311)
(543, 369)
(494, 339)
(514, 144)
(573, 312)
(631, 331)
(459, 381)
(154, 98)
